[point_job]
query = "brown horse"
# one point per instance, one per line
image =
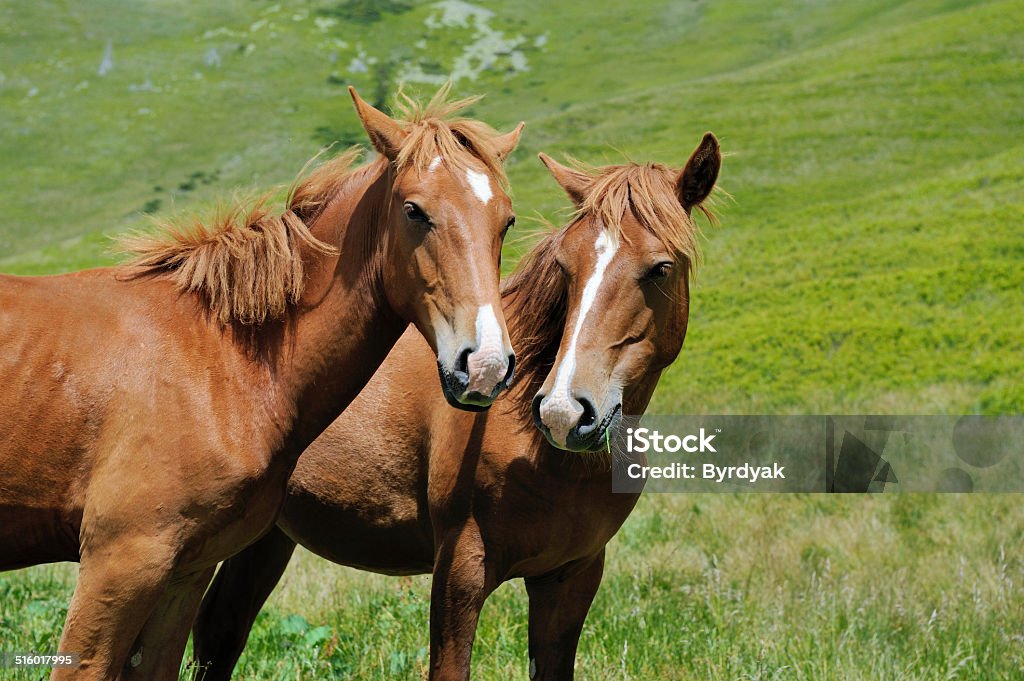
(600, 309)
(152, 415)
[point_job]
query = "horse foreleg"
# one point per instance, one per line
(157, 653)
(119, 583)
(460, 587)
(559, 603)
(242, 586)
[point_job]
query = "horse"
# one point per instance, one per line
(153, 412)
(596, 311)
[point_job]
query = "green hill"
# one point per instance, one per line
(869, 261)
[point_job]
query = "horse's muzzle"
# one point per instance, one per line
(463, 392)
(586, 432)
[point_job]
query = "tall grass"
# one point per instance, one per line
(704, 586)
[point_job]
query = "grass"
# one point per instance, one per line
(706, 586)
(869, 262)
(744, 587)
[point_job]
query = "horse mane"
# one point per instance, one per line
(433, 130)
(535, 294)
(246, 262)
(649, 191)
(536, 302)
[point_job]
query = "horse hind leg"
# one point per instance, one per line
(559, 603)
(242, 586)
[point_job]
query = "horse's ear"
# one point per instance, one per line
(507, 143)
(573, 182)
(385, 134)
(701, 171)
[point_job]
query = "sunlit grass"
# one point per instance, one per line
(697, 587)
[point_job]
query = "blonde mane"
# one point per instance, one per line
(649, 191)
(434, 131)
(247, 261)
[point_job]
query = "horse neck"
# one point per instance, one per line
(638, 396)
(343, 327)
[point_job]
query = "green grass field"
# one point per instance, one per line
(871, 260)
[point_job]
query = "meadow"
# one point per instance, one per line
(868, 260)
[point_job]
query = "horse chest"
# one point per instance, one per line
(550, 523)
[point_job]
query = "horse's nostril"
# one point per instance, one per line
(535, 408)
(589, 417)
(461, 368)
(511, 372)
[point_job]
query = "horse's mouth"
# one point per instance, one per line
(453, 386)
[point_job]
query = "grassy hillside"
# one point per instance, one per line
(870, 261)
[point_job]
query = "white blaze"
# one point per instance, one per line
(489, 363)
(480, 184)
(558, 410)
(434, 164)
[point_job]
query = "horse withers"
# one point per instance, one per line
(596, 311)
(153, 413)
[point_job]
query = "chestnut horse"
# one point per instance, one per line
(153, 414)
(599, 309)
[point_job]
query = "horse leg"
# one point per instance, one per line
(559, 603)
(458, 591)
(242, 586)
(119, 583)
(158, 650)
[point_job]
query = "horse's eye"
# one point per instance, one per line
(415, 213)
(659, 271)
(508, 225)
